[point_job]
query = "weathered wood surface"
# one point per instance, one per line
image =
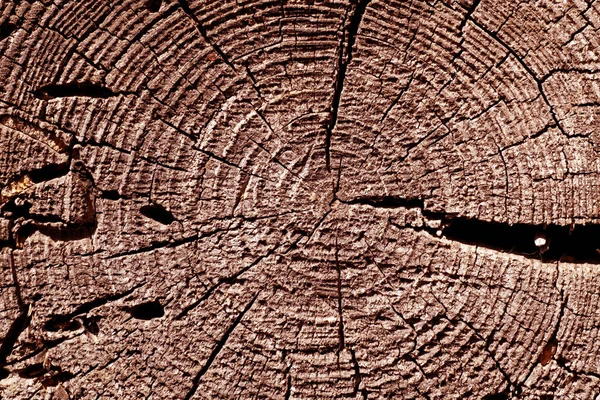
(299, 199)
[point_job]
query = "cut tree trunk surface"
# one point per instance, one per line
(238, 199)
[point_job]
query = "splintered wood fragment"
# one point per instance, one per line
(16, 187)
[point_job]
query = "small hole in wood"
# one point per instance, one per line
(147, 311)
(32, 371)
(59, 323)
(6, 29)
(153, 5)
(157, 213)
(548, 351)
(110, 195)
(91, 325)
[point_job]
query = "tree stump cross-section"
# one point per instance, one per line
(312, 199)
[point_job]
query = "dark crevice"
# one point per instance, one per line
(387, 202)
(563, 243)
(32, 371)
(564, 364)
(345, 56)
(550, 348)
(39, 175)
(13, 333)
(38, 347)
(20, 323)
(357, 377)
(57, 322)
(49, 172)
(74, 89)
(158, 213)
(6, 29)
(110, 195)
(470, 12)
(91, 324)
(574, 243)
(153, 5)
(159, 245)
(57, 376)
(288, 388)
(48, 376)
(147, 311)
(217, 349)
(66, 233)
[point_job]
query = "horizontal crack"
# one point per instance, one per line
(545, 242)
(57, 321)
(75, 89)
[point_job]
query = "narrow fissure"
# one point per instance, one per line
(341, 76)
(217, 349)
(58, 322)
(548, 243)
(14, 331)
(73, 89)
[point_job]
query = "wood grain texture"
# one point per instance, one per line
(299, 199)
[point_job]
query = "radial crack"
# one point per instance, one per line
(343, 63)
(217, 349)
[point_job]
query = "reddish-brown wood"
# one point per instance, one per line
(379, 199)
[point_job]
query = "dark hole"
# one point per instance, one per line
(548, 351)
(64, 376)
(110, 195)
(4, 373)
(81, 89)
(49, 172)
(60, 323)
(147, 311)
(17, 211)
(579, 244)
(57, 376)
(14, 331)
(49, 381)
(496, 396)
(157, 213)
(91, 325)
(153, 5)
(6, 29)
(32, 371)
